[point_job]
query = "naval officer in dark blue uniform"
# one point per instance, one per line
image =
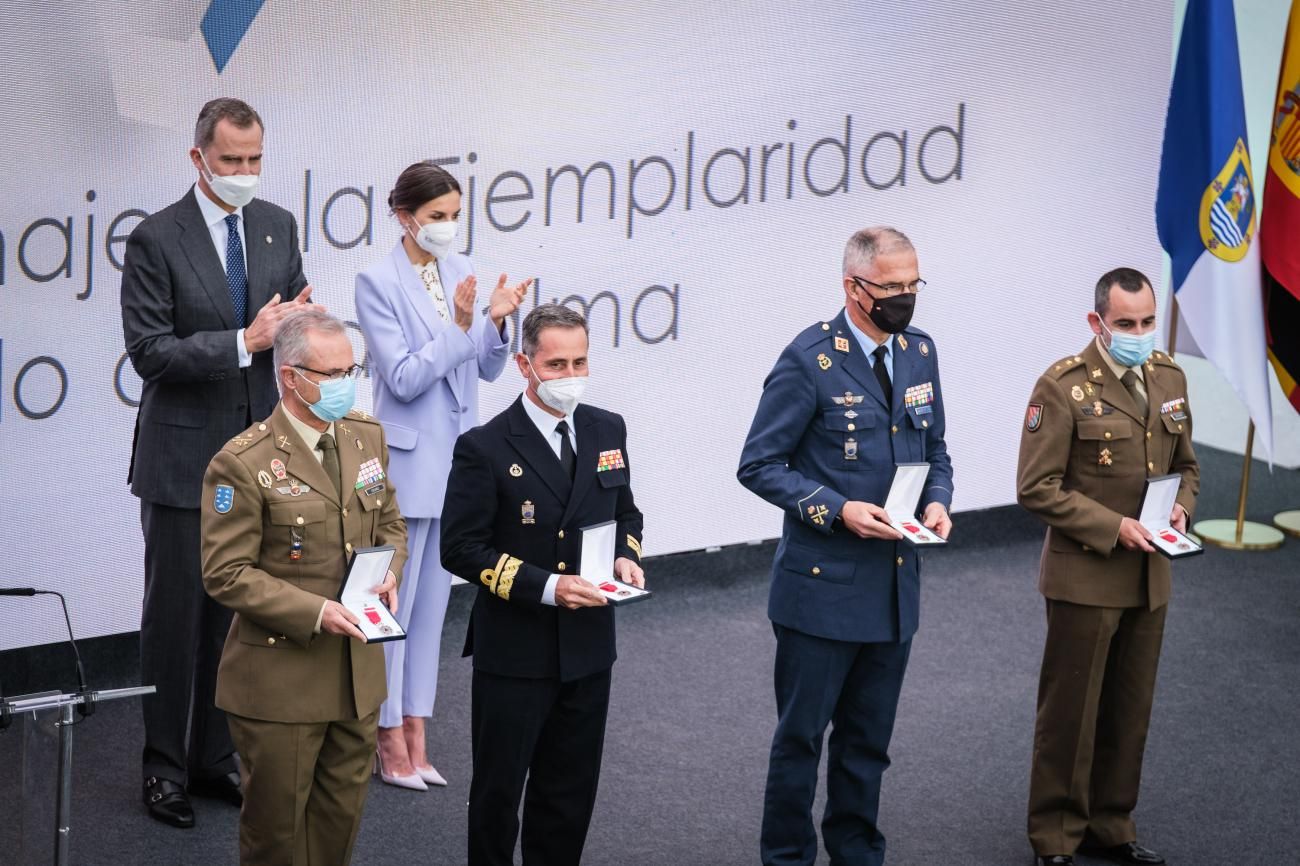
(847, 400)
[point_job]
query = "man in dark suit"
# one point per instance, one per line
(201, 302)
(847, 400)
(521, 488)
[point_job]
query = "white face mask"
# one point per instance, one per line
(235, 190)
(435, 238)
(562, 395)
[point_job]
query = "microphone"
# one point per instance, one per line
(87, 706)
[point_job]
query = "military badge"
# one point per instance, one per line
(925, 349)
(1077, 393)
(516, 470)
(902, 342)
(224, 499)
(824, 361)
(1227, 218)
(1096, 372)
(610, 460)
(264, 478)
(850, 449)
(841, 344)
(368, 473)
(1034, 417)
(1104, 458)
(527, 512)
(849, 399)
(277, 469)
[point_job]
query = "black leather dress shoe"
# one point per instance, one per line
(219, 788)
(1129, 852)
(167, 802)
(1056, 860)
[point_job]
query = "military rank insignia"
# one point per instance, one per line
(610, 460)
(841, 344)
(902, 342)
(1104, 458)
(224, 499)
(1034, 417)
(370, 472)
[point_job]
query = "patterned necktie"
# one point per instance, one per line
(330, 459)
(568, 459)
(236, 274)
(1130, 381)
(882, 375)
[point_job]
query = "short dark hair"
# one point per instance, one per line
(419, 183)
(549, 316)
(237, 111)
(1128, 279)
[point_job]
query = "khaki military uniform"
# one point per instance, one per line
(1085, 454)
(302, 705)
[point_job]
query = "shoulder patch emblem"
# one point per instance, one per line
(224, 499)
(1034, 417)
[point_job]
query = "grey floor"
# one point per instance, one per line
(692, 712)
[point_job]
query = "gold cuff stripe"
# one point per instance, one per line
(635, 545)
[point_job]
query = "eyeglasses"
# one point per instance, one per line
(891, 289)
(350, 373)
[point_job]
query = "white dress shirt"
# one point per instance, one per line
(215, 217)
(546, 424)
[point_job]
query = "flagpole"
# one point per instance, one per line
(1173, 323)
(1240, 534)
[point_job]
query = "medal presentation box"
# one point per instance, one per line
(904, 496)
(597, 565)
(367, 570)
(1157, 505)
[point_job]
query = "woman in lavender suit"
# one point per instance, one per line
(428, 348)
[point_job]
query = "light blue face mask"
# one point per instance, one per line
(1130, 350)
(336, 397)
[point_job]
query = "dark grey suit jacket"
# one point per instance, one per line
(180, 329)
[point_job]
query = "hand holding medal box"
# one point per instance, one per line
(1157, 507)
(596, 565)
(367, 570)
(904, 497)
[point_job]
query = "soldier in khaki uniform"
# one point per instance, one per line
(284, 505)
(1099, 424)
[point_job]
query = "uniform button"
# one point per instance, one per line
(1106, 434)
(816, 570)
(561, 533)
(345, 512)
(379, 501)
(899, 560)
(1148, 434)
(300, 520)
(852, 427)
(925, 423)
(261, 426)
(893, 429)
(270, 641)
(348, 546)
(560, 566)
(825, 327)
(1151, 466)
(1180, 428)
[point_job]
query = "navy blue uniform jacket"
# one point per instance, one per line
(813, 446)
(512, 518)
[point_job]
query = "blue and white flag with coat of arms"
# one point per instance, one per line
(1206, 208)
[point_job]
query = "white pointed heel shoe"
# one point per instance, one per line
(431, 776)
(412, 782)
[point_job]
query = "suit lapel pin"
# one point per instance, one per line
(516, 470)
(268, 239)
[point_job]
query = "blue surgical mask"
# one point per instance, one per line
(336, 397)
(1130, 350)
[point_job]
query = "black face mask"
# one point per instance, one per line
(890, 315)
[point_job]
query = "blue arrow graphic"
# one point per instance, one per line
(224, 25)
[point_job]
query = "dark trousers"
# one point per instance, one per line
(854, 688)
(182, 631)
(551, 733)
(1094, 705)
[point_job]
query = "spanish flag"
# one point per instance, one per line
(1279, 225)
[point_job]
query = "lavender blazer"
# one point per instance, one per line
(424, 371)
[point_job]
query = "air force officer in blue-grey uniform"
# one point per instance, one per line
(847, 400)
